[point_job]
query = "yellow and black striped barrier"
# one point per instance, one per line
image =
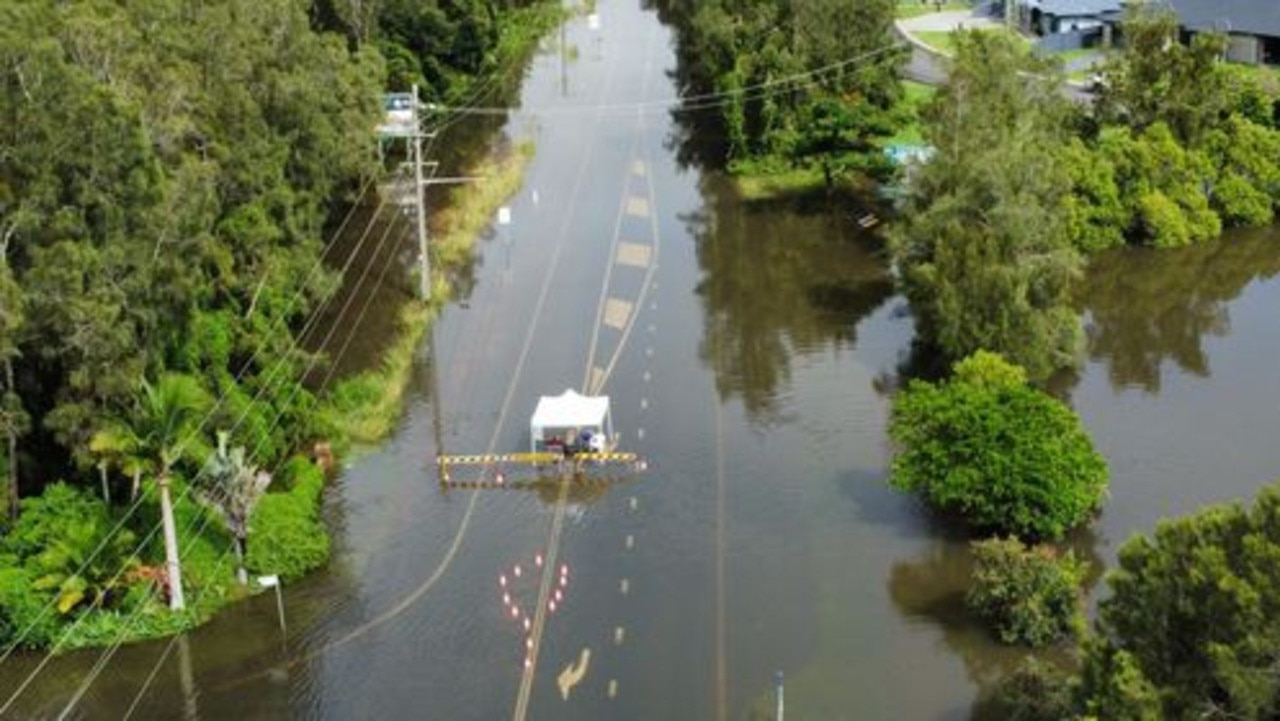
(527, 485)
(575, 467)
(533, 458)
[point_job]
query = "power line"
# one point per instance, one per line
(235, 381)
(187, 544)
(698, 101)
(111, 649)
(324, 383)
(191, 485)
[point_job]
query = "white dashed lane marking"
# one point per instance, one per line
(624, 586)
(634, 255)
(638, 206)
(616, 313)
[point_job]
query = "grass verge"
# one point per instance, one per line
(908, 9)
(760, 184)
(942, 40)
(364, 408)
(917, 94)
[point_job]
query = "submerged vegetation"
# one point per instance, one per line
(1003, 456)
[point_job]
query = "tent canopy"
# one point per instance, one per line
(570, 410)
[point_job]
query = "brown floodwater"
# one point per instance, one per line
(747, 349)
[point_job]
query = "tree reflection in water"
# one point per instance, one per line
(780, 279)
(1143, 307)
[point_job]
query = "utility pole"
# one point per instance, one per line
(419, 191)
(419, 195)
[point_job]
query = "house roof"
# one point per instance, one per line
(1253, 17)
(1075, 8)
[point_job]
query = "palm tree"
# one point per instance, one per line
(118, 446)
(160, 432)
(233, 488)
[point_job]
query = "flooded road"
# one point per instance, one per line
(747, 350)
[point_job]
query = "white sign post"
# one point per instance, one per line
(273, 581)
(504, 215)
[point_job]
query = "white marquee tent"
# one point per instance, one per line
(569, 412)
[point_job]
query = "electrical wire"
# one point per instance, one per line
(319, 311)
(698, 101)
(692, 102)
(354, 328)
(17, 642)
(105, 657)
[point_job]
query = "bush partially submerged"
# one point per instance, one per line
(1030, 595)
(1004, 456)
(286, 535)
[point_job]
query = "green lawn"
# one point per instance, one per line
(914, 8)
(917, 95)
(940, 40)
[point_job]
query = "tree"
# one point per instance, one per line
(1158, 79)
(1002, 455)
(841, 93)
(13, 418)
(983, 249)
(1030, 595)
(1191, 628)
(1113, 687)
(233, 488)
(163, 429)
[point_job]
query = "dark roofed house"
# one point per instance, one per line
(1059, 17)
(1252, 26)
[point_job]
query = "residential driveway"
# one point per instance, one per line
(929, 67)
(946, 21)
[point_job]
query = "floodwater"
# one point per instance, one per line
(747, 349)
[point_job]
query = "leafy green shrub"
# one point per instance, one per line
(286, 535)
(1163, 221)
(54, 540)
(1029, 594)
(47, 576)
(1004, 456)
(22, 608)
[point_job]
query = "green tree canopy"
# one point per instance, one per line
(824, 75)
(1000, 454)
(985, 257)
(1193, 619)
(1156, 78)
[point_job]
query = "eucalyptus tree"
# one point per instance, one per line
(13, 420)
(984, 253)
